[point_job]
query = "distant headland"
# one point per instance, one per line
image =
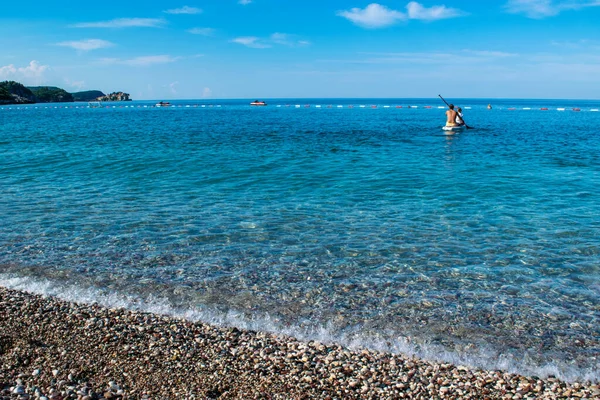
(15, 93)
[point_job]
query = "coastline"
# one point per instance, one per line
(70, 350)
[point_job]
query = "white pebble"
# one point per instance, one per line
(19, 390)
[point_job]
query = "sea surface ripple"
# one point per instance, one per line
(366, 226)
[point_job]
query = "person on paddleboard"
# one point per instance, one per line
(459, 115)
(451, 116)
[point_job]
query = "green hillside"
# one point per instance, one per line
(4, 94)
(88, 95)
(51, 94)
(12, 92)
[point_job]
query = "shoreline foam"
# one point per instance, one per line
(472, 356)
(87, 351)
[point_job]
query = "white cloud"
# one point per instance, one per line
(379, 16)
(373, 16)
(150, 60)
(489, 53)
(184, 10)
(287, 40)
(462, 57)
(7, 71)
(590, 45)
(276, 38)
(202, 31)
(244, 2)
(143, 61)
(417, 11)
(31, 74)
(280, 38)
(251, 41)
(173, 87)
(124, 23)
(75, 84)
(87, 44)
(206, 93)
(539, 9)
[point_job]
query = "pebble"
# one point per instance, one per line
(120, 354)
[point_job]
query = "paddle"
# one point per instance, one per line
(466, 126)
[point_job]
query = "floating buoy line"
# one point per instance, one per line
(294, 106)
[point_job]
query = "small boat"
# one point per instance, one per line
(163, 104)
(258, 103)
(455, 128)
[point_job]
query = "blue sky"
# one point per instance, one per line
(193, 49)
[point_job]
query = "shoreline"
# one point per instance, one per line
(72, 350)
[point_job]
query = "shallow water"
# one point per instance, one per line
(363, 225)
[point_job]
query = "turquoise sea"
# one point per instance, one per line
(357, 222)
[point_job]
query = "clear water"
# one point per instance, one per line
(362, 225)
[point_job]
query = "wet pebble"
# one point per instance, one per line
(58, 350)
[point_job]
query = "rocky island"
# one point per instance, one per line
(115, 96)
(16, 93)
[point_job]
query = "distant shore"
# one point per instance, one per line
(12, 92)
(57, 349)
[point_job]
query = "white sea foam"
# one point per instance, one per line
(475, 358)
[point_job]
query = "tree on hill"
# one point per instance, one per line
(48, 94)
(88, 95)
(17, 93)
(12, 92)
(4, 94)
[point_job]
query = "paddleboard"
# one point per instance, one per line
(453, 128)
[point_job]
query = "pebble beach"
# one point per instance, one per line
(52, 349)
